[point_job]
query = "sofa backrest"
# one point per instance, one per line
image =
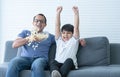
(12, 52)
(96, 52)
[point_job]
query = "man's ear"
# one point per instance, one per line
(33, 23)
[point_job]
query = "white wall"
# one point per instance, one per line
(97, 17)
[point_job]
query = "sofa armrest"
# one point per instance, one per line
(9, 51)
(115, 53)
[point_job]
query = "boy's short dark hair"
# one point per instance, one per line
(67, 27)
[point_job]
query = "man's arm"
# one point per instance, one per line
(19, 42)
(76, 22)
(57, 22)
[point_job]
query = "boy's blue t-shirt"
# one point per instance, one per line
(36, 49)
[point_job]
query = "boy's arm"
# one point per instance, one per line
(57, 22)
(76, 22)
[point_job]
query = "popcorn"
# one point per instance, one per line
(35, 34)
(42, 36)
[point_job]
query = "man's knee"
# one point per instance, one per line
(14, 62)
(39, 63)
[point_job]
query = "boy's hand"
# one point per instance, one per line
(83, 42)
(59, 9)
(75, 9)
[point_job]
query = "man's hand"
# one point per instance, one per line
(30, 38)
(36, 37)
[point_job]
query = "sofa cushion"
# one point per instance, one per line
(91, 71)
(96, 52)
(3, 69)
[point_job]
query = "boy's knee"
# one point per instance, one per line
(69, 60)
(64, 74)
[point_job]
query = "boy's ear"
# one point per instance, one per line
(45, 25)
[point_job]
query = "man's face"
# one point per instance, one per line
(39, 22)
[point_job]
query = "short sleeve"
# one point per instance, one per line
(24, 34)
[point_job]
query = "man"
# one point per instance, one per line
(35, 50)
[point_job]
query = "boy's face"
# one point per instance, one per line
(39, 22)
(66, 35)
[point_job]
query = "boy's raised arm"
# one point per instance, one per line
(76, 21)
(58, 22)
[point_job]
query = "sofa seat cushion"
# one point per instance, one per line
(27, 73)
(96, 71)
(3, 69)
(92, 71)
(4, 65)
(96, 52)
(114, 70)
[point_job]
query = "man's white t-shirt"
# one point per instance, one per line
(67, 50)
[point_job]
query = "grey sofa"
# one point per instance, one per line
(98, 58)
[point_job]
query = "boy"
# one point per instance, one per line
(67, 41)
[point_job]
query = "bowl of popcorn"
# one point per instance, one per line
(37, 35)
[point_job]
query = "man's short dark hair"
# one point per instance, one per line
(67, 27)
(41, 15)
